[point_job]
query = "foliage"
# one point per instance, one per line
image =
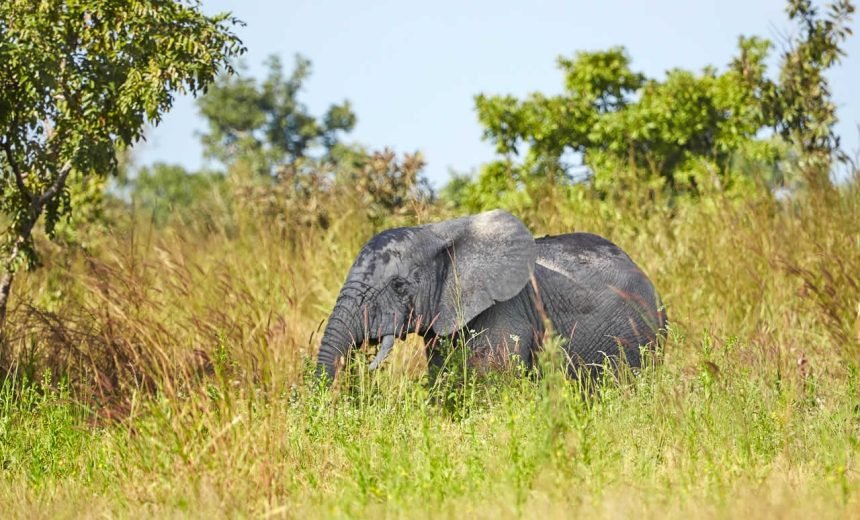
(165, 189)
(265, 124)
(79, 79)
(681, 135)
(308, 192)
(386, 186)
(664, 133)
(806, 114)
(283, 165)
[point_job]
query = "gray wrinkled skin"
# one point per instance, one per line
(486, 273)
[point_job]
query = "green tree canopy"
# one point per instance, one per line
(683, 134)
(282, 161)
(265, 124)
(612, 118)
(803, 105)
(79, 79)
(162, 189)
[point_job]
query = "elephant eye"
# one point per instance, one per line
(399, 285)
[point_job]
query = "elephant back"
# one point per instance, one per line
(598, 300)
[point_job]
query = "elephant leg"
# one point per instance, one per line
(508, 333)
(436, 356)
(447, 355)
(433, 350)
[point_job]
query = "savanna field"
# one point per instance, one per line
(158, 345)
(165, 373)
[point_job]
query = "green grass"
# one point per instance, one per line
(705, 443)
(164, 374)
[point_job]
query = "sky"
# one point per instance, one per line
(411, 69)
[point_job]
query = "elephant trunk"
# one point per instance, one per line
(337, 341)
(351, 323)
(341, 335)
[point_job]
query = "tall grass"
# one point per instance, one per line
(163, 373)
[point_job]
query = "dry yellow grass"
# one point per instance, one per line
(177, 358)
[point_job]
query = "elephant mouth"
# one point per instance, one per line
(386, 343)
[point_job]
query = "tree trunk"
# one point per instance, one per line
(9, 275)
(5, 289)
(25, 232)
(37, 205)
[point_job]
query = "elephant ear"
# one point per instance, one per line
(490, 258)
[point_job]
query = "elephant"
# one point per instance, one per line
(486, 278)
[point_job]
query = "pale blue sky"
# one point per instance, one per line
(411, 69)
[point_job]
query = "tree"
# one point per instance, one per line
(162, 189)
(803, 105)
(611, 119)
(264, 124)
(286, 165)
(79, 79)
(685, 134)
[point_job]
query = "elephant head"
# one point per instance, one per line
(436, 276)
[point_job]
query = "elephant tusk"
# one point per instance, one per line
(384, 350)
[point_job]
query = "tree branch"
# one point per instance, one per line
(16, 170)
(57, 185)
